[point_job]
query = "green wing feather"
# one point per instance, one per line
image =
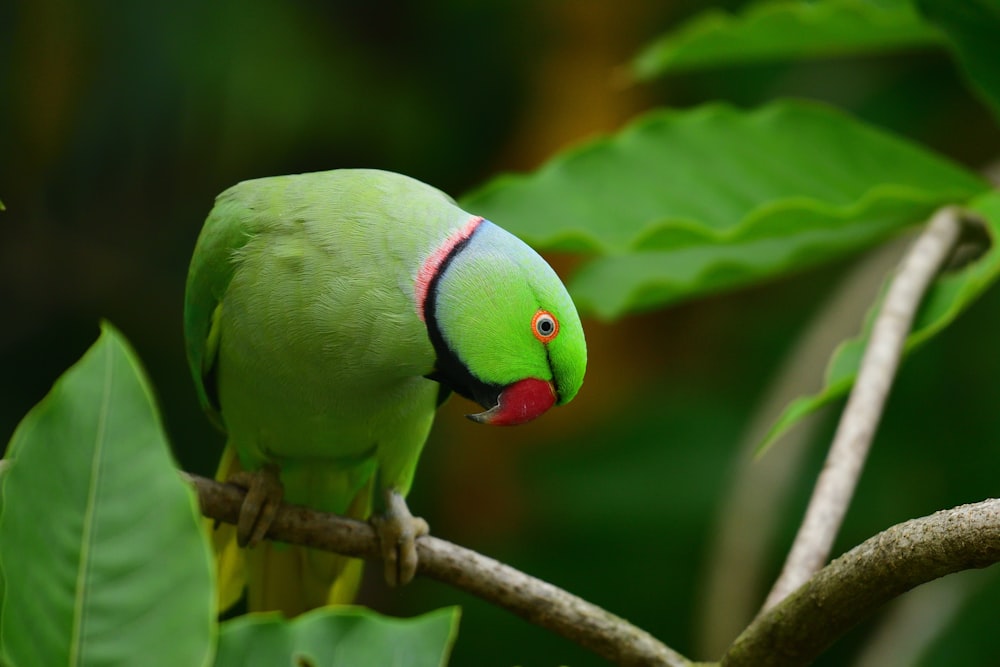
(211, 270)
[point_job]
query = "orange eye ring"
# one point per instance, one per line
(544, 326)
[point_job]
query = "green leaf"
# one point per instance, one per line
(103, 557)
(948, 297)
(338, 636)
(4, 466)
(786, 29)
(973, 29)
(682, 203)
(611, 286)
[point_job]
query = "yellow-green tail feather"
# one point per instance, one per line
(283, 577)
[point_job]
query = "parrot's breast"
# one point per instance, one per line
(321, 353)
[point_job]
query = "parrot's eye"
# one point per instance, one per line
(544, 325)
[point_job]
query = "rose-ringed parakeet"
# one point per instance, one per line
(327, 315)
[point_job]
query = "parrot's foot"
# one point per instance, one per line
(264, 495)
(398, 530)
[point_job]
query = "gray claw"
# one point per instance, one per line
(398, 531)
(264, 495)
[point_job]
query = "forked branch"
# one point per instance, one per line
(804, 624)
(794, 632)
(807, 610)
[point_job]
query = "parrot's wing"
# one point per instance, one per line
(226, 231)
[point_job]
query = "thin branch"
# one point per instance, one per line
(534, 600)
(749, 518)
(852, 441)
(807, 622)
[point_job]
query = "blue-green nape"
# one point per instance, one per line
(505, 330)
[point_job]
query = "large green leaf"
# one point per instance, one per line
(103, 558)
(338, 636)
(611, 286)
(781, 29)
(685, 202)
(4, 466)
(950, 294)
(973, 29)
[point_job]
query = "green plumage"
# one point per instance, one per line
(306, 339)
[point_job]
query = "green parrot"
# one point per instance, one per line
(327, 316)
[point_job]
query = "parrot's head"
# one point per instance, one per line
(504, 329)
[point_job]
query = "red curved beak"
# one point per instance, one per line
(519, 403)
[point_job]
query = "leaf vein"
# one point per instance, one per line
(86, 537)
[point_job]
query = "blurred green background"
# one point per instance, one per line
(119, 123)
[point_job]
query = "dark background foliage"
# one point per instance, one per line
(120, 122)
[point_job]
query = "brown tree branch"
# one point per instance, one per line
(804, 624)
(851, 443)
(794, 632)
(539, 602)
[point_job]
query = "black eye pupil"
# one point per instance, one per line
(545, 327)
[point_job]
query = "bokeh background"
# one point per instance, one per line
(120, 121)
